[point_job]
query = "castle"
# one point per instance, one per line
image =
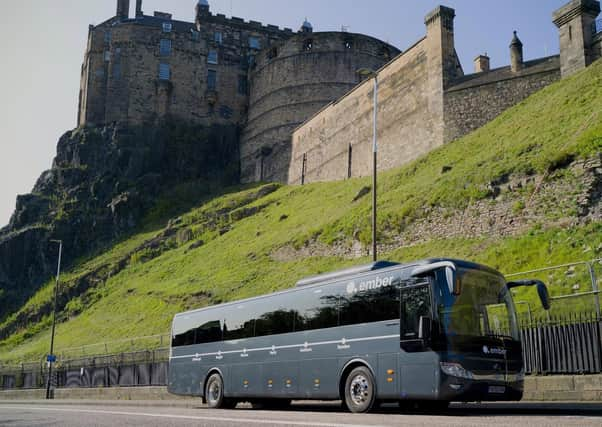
(302, 101)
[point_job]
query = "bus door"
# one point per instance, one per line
(419, 364)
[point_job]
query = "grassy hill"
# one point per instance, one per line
(520, 193)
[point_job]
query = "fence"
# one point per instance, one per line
(555, 342)
(141, 368)
(570, 345)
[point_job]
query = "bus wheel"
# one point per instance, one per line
(214, 393)
(360, 390)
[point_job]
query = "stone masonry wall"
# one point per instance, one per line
(471, 106)
(291, 82)
(337, 142)
(405, 129)
(120, 75)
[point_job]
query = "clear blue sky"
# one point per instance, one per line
(43, 43)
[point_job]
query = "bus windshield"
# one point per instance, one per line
(484, 307)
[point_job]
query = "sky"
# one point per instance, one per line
(43, 43)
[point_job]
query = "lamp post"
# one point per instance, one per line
(50, 358)
(374, 153)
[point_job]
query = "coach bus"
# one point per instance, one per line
(428, 332)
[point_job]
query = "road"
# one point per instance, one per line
(56, 413)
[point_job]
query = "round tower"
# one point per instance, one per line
(293, 80)
(516, 54)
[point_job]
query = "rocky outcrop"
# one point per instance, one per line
(102, 184)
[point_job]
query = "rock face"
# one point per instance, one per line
(102, 184)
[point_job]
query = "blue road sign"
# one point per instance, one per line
(51, 358)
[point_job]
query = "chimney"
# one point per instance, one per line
(516, 54)
(123, 9)
(139, 12)
(481, 64)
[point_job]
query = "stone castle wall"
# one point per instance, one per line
(291, 82)
(337, 142)
(120, 75)
(473, 103)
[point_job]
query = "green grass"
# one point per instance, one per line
(224, 248)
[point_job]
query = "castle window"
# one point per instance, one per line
(243, 85)
(116, 71)
(348, 44)
(107, 56)
(212, 57)
(254, 43)
(164, 72)
(218, 37)
(195, 35)
(273, 53)
(165, 47)
(107, 37)
(167, 27)
(308, 44)
(211, 79)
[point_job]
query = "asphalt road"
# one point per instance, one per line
(304, 414)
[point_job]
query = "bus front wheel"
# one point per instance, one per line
(214, 393)
(360, 390)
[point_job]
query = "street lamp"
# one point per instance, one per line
(374, 154)
(51, 358)
(365, 74)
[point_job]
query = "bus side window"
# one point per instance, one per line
(210, 331)
(316, 309)
(240, 322)
(370, 306)
(415, 302)
(271, 320)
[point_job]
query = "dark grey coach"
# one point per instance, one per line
(423, 333)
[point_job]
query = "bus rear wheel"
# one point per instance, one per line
(360, 390)
(214, 393)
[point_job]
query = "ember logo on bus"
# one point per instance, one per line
(376, 283)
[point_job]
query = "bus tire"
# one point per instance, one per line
(360, 390)
(214, 393)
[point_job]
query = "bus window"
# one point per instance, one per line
(316, 309)
(370, 306)
(275, 316)
(240, 322)
(415, 302)
(210, 331)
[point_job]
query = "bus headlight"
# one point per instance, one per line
(455, 370)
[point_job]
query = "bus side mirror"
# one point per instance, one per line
(542, 290)
(424, 327)
(544, 296)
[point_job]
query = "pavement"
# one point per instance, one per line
(74, 413)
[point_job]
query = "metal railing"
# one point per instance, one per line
(577, 281)
(149, 342)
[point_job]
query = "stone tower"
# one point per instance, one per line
(575, 22)
(440, 36)
(123, 9)
(516, 54)
(139, 12)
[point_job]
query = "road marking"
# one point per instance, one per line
(188, 417)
